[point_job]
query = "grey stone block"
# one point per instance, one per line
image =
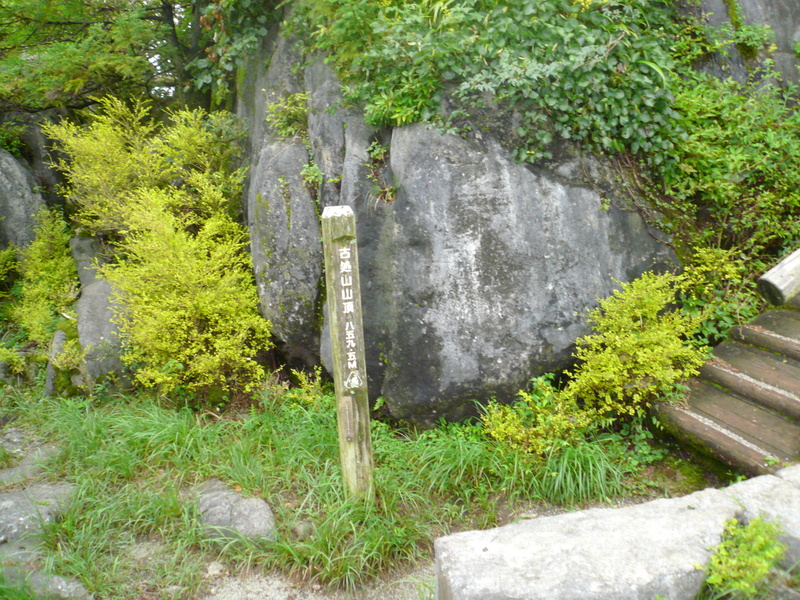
(631, 553)
(790, 474)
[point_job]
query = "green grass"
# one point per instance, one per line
(132, 459)
(12, 591)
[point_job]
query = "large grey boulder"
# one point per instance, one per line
(775, 499)
(634, 553)
(473, 275)
(284, 221)
(97, 332)
(493, 263)
(19, 203)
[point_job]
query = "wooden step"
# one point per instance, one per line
(709, 436)
(770, 380)
(776, 331)
(772, 432)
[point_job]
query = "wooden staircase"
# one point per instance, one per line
(744, 408)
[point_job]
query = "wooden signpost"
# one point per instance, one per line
(347, 343)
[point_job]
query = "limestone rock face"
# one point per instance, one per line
(283, 217)
(19, 203)
(491, 262)
(473, 271)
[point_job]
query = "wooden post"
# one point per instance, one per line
(782, 282)
(347, 343)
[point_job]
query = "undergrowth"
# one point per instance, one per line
(741, 564)
(133, 461)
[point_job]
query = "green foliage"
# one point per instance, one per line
(289, 116)
(11, 138)
(168, 195)
(541, 421)
(382, 190)
(638, 351)
(735, 182)
(58, 53)
(66, 53)
(188, 306)
(12, 591)
(237, 28)
(593, 72)
(715, 290)
(8, 265)
(49, 279)
(746, 556)
(312, 176)
(121, 152)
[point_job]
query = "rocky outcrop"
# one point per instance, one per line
(37, 152)
(474, 268)
(19, 203)
(283, 216)
(491, 260)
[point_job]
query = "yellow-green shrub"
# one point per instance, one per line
(8, 265)
(188, 306)
(49, 279)
(540, 420)
(639, 350)
(168, 196)
(122, 151)
(740, 565)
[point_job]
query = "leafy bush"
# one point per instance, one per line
(168, 195)
(122, 151)
(543, 419)
(735, 181)
(746, 556)
(188, 306)
(639, 350)
(590, 71)
(49, 279)
(714, 288)
(289, 116)
(11, 138)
